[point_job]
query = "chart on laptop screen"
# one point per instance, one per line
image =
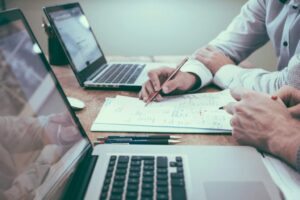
(74, 29)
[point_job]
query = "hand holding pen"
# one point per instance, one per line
(181, 82)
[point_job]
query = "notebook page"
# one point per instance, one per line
(190, 111)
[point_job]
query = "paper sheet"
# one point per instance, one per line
(286, 178)
(192, 111)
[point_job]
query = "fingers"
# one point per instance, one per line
(147, 90)
(143, 95)
(170, 86)
(295, 111)
(154, 78)
(229, 108)
(289, 95)
(238, 92)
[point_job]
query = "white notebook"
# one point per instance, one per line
(191, 113)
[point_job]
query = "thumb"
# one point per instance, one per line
(170, 86)
(295, 111)
(238, 92)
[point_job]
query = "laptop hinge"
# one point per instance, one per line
(81, 178)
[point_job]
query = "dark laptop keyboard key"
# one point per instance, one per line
(117, 190)
(134, 175)
(133, 181)
(178, 193)
(121, 171)
(162, 177)
(147, 193)
(136, 158)
(162, 162)
(118, 184)
(116, 197)
(131, 195)
(148, 168)
(148, 158)
(162, 196)
(123, 159)
(162, 170)
(177, 175)
(135, 169)
(178, 159)
(148, 173)
(179, 169)
(133, 187)
(103, 195)
(136, 163)
(162, 183)
(148, 179)
(149, 162)
(162, 190)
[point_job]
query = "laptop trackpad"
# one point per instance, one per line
(235, 190)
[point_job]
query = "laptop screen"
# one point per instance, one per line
(77, 36)
(40, 141)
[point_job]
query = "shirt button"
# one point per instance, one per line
(285, 43)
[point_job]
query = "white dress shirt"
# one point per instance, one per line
(259, 21)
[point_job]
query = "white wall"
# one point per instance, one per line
(151, 27)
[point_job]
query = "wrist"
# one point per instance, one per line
(196, 82)
(285, 142)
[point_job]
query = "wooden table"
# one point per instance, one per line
(95, 98)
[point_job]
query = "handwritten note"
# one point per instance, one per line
(189, 111)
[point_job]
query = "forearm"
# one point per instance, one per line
(231, 76)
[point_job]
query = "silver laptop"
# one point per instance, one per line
(86, 58)
(46, 154)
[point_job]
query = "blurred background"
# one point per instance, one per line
(150, 27)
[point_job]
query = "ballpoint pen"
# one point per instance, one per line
(161, 142)
(134, 137)
(154, 94)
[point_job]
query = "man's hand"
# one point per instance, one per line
(182, 82)
(212, 58)
(264, 123)
(291, 98)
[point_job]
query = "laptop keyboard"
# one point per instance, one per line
(121, 73)
(144, 177)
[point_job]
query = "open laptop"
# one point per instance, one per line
(86, 58)
(46, 154)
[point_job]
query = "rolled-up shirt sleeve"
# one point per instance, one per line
(246, 33)
(261, 80)
(199, 69)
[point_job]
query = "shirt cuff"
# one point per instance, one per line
(199, 69)
(225, 75)
(298, 161)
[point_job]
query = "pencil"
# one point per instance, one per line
(154, 94)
